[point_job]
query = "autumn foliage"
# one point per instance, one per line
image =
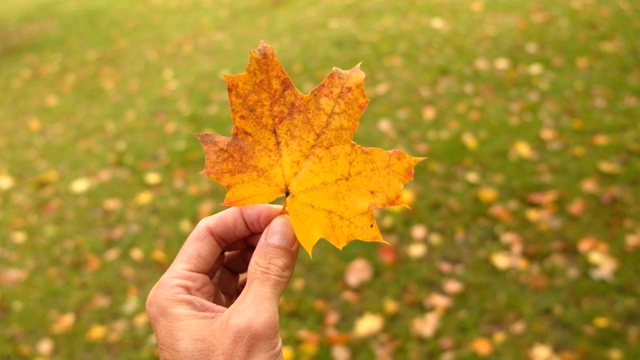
(285, 143)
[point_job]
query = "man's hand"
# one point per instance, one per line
(201, 308)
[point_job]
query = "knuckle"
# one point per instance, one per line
(274, 266)
(154, 305)
(251, 326)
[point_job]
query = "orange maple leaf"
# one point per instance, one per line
(285, 143)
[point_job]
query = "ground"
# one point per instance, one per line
(523, 236)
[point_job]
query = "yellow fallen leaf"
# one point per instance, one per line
(601, 322)
(80, 185)
(541, 351)
(609, 167)
(136, 254)
(368, 325)
(523, 150)
(159, 257)
(140, 320)
(469, 141)
(144, 197)
(487, 194)
(501, 260)
(34, 125)
(390, 306)
(417, 250)
(46, 346)
(6, 181)
(429, 113)
(47, 177)
(288, 352)
(96, 332)
(19, 237)
(152, 178)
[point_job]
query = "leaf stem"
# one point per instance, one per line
(284, 206)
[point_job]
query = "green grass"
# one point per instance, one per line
(108, 91)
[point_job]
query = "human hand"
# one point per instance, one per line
(202, 309)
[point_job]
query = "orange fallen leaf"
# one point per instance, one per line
(542, 198)
(96, 332)
(577, 207)
(12, 276)
(285, 143)
(500, 212)
(482, 346)
(63, 323)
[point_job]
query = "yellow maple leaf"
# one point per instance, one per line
(285, 143)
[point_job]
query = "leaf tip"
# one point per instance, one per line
(263, 50)
(418, 159)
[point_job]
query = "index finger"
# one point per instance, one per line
(213, 233)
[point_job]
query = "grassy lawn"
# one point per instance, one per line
(523, 238)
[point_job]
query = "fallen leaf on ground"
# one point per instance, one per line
(12, 276)
(438, 301)
(340, 352)
(46, 346)
(96, 332)
(452, 286)
(417, 250)
(487, 194)
(541, 351)
(427, 325)
(387, 254)
(482, 347)
(632, 241)
(503, 261)
(63, 323)
(604, 265)
(80, 185)
(419, 232)
(577, 207)
(358, 272)
(368, 325)
(521, 149)
(299, 146)
(6, 181)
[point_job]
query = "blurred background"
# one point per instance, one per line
(523, 237)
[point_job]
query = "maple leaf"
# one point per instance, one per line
(285, 143)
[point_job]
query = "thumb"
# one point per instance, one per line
(271, 265)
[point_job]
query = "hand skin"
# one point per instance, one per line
(202, 309)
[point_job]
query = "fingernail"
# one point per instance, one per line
(280, 232)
